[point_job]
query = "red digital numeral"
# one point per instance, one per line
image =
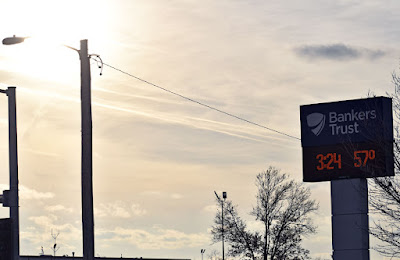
(338, 160)
(362, 157)
(320, 159)
(332, 158)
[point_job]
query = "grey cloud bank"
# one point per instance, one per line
(337, 52)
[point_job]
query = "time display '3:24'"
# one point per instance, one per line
(331, 161)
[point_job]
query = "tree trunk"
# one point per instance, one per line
(266, 242)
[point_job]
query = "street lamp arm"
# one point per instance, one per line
(72, 48)
(217, 195)
(15, 40)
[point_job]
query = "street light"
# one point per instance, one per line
(224, 196)
(202, 252)
(10, 197)
(87, 161)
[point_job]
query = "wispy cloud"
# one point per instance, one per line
(44, 221)
(210, 208)
(39, 152)
(164, 195)
(157, 238)
(31, 194)
(59, 208)
(137, 210)
(242, 131)
(337, 52)
(119, 209)
(125, 95)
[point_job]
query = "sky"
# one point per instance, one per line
(158, 158)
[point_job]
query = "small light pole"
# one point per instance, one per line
(202, 253)
(224, 196)
(87, 162)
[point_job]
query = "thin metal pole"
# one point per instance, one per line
(13, 165)
(87, 165)
(223, 247)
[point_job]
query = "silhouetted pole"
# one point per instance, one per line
(223, 239)
(222, 222)
(223, 247)
(87, 164)
(202, 253)
(13, 166)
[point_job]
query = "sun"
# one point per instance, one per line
(50, 25)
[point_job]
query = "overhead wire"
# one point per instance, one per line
(198, 102)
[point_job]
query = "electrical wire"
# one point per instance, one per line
(200, 103)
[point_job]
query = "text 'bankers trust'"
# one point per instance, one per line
(351, 117)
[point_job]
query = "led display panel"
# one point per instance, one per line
(347, 139)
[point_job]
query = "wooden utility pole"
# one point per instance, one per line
(87, 162)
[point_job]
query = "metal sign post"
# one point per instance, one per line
(350, 237)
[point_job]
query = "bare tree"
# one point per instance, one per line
(214, 255)
(284, 208)
(385, 193)
(55, 247)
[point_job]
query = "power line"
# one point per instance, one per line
(200, 103)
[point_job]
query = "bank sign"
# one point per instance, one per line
(347, 139)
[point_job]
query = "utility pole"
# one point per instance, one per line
(87, 162)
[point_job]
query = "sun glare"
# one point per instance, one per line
(43, 54)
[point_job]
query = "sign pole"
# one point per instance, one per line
(350, 237)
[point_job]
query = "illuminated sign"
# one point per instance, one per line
(347, 139)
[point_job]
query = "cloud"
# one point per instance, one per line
(40, 233)
(116, 209)
(38, 152)
(55, 208)
(337, 52)
(241, 131)
(165, 195)
(211, 208)
(44, 221)
(27, 193)
(176, 196)
(157, 238)
(119, 209)
(137, 210)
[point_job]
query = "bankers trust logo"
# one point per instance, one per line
(339, 123)
(316, 122)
